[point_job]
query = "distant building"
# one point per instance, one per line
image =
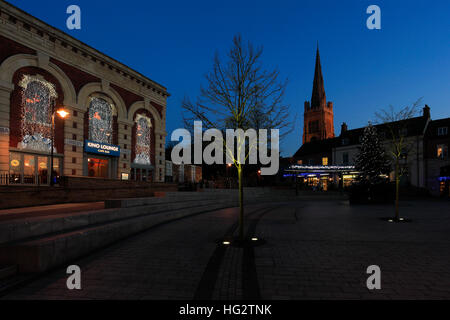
(324, 159)
(184, 173)
(436, 157)
(425, 166)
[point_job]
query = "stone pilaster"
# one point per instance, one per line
(125, 132)
(5, 93)
(160, 158)
(73, 142)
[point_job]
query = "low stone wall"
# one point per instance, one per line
(79, 189)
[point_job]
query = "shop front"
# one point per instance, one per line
(323, 177)
(444, 182)
(142, 173)
(100, 160)
(32, 168)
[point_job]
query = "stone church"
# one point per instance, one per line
(318, 116)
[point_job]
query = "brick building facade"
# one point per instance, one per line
(116, 123)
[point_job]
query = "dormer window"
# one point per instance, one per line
(345, 141)
(442, 131)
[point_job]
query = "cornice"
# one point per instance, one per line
(51, 40)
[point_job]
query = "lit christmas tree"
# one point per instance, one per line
(371, 161)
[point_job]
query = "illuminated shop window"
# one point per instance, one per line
(100, 121)
(38, 96)
(143, 140)
(32, 169)
(325, 161)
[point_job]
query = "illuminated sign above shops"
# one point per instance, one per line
(320, 169)
(101, 148)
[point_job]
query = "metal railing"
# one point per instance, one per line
(7, 179)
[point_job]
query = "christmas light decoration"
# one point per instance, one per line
(143, 140)
(100, 121)
(38, 96)
(371, 160)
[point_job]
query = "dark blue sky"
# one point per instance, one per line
(173, 43)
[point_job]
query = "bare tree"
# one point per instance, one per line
(240, 94)
(398, 145)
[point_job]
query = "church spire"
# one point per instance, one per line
(318, 98)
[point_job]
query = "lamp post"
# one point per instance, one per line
(63, 114)
(228, 175)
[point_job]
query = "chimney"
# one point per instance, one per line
(344, 128)
(426, 112)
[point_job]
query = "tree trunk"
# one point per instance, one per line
(397, 190)
(241, 203)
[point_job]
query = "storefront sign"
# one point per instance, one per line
(102, 148)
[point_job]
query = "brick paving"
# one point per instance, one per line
(314, 250)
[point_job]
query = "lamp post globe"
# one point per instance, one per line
(63, 114)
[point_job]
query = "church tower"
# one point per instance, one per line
(318, 117)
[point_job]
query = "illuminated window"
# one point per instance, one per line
(325, 161)
(300, 162)
(100, 121)
(442, 151)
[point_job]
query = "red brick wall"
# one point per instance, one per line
(128, 97)
(158, 107)
(79, 78)
(10, 48)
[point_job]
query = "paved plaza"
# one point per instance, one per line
(314, 250)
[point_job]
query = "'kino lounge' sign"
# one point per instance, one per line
(102, 148)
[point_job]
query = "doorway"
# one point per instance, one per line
(98, 168)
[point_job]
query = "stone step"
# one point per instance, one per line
(20, 230)
(169, 198)
(51, 251)
(7, 271)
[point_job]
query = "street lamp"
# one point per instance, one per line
(62, 114)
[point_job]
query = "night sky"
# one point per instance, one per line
(173, 43)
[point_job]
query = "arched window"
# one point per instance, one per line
(38, 96)
(100, 121)
(143, 140)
